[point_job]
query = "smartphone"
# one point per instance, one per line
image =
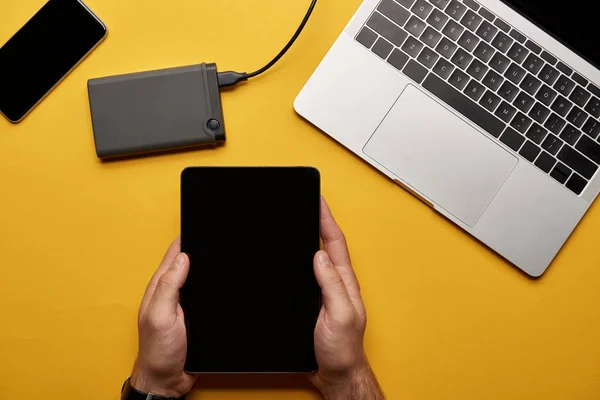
(43, 52)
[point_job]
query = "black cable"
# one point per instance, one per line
(230, 78)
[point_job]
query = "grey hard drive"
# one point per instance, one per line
(156, 111)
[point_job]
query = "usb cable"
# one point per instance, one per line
(231, 78)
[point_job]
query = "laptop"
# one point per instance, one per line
(487, 111)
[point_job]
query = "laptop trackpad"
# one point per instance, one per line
(441, 156)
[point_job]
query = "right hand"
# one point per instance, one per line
(344, 371)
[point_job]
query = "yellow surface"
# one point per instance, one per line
(79, 239)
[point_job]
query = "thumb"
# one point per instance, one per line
(334, 292)
(166, 295)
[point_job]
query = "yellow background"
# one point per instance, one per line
(79, 239)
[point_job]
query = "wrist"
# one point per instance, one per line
(146, 383)
(356, 384)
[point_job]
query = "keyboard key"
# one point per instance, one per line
(536, 133)
(552, 144)
(576, 184)
(533, 64)
(512, 139)
(502, 25)
(437, 19)
(387, 29)
(499, 63)
(549, 57)
(555, 123)
(539, 113)
(453, 30)
(533, 47)
(468, 41)
(548, 74)
(492, 80)
(517, 36)
(463, 105)
(421, 9)
(580, 79)
(427, 57)
(521, 123)
(471, 20)
(398, 59)
(394, 11)
(561, 106)
(593, 107)
(517, 53)
(415, 71)
(577, 117)
(524, 102)
(545, 162)
(515, 74)
(508, 91)
(431, 37)
(441, 4)
(594, 89)
(564, 68)
(502, 42)
(570, 134)
(366, 37)
(443, 68)
(407, 3)
(505, 112)
(382, 48)
(580, 96)
(486, 14)
(484, 52)
(561, 173)
(471, 4)
(446, 48)
(412, 47)
(487, 31)
(415, 26)
(576, 161)
(474, 90)
(546, 95)
(477, 69)
(459, 79)
(589, 148)
(456, 10)
(530, 84)
(490, 101)
(461, 58)
(564, 85)
(591, 128)
(530, 151)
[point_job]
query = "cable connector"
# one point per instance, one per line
(231, 78)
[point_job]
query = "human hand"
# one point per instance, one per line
(344, 371)
(162, 335)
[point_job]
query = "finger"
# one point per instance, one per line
(165, 264)
(334, 293)
(165, 300)
(336, 246)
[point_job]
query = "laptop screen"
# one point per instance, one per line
(574, 23)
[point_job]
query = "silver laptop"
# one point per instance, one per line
(488, 111)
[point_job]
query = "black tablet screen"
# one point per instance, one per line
(251, 300)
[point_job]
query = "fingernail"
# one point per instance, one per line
(179, 261)
(323, 259)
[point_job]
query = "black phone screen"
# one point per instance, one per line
(42, 52)
(251, 300)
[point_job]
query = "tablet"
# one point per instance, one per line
(251, 300)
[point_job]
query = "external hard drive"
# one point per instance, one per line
(156, 111)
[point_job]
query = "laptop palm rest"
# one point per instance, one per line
(438, 154)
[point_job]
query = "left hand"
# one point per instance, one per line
(162, 335)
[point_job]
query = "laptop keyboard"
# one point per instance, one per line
(492, 74)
